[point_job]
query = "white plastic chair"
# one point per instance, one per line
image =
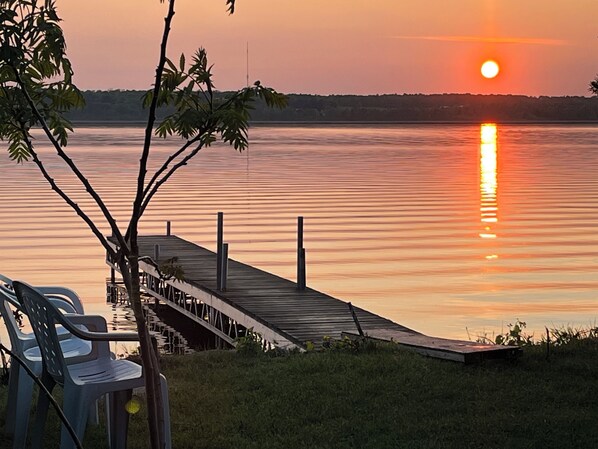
(84, 379)
(24, 346)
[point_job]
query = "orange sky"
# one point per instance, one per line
(545, 47)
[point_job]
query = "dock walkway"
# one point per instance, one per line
(282, 314)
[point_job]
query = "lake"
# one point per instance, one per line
(451, 230)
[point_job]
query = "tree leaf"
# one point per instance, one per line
(182, 62)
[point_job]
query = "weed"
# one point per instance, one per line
(249, 344)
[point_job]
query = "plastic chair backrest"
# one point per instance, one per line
(43, 316)
(7, 299)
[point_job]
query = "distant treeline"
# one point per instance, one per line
(125, 106)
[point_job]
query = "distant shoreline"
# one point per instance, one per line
(125, 107)
(123, 123)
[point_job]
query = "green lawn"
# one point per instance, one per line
(382, 398)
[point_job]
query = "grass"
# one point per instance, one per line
(378, 398)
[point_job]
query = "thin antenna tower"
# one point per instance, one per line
(247, 71)
(247, 150)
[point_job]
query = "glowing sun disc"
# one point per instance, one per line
(490, 69)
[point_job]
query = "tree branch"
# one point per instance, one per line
(90, 190)
(165, 178)
(149, 194)
(65, 197)
(136, 215)
(165, 165)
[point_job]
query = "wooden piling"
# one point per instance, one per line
(168, 227)
(224, 267)
(219, 243)
(156, 253)
(301, 284)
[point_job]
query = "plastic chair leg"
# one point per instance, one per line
(11, 400)
(94, 413)
(164, 389)
(43, 402)
(118, 419)
(21, 409)
(76, 410)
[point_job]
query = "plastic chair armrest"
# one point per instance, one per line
(69, 320)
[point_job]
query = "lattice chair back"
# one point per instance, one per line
(43, 316)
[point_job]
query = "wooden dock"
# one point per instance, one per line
(283, 314)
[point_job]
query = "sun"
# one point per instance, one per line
(490, 69)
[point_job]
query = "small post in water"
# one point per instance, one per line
(156, 253)
(168, 228)
(219, 242)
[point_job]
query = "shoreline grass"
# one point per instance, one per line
(383, 397)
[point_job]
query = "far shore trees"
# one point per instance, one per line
(36, 90)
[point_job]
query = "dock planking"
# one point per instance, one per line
(299, 315)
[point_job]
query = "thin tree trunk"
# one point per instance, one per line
(149, 359)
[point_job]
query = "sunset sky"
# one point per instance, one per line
(544, 47)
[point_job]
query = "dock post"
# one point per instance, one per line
(219, 244)
(354, 315)
(301, 281)
(299, 233)
(224, 268)
(168, 228)
(156, 253)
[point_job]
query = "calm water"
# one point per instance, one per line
(445, 229)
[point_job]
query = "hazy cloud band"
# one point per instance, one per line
(491, 40)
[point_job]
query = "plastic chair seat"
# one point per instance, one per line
(98, 371)
(72, 347)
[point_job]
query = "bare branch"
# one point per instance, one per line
(65, 197)
(165, 178)
(165, 165)
(71, 164)
(135, 216)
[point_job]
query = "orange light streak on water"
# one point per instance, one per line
(488, 181)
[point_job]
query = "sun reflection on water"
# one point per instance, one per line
(488, 182)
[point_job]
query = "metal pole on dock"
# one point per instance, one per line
(301, 277)
(224, 268)
(219, 243)
(168, 228)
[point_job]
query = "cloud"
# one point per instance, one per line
(489, 40)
